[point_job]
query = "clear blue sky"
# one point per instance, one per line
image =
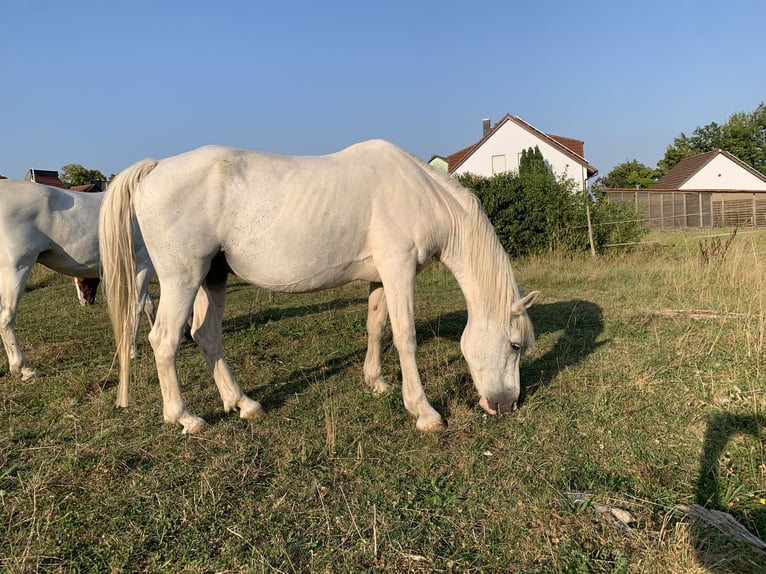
(104, 84)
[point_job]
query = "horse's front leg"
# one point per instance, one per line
(12, 282)
(377, 314)
(206, 332)
(399, 283)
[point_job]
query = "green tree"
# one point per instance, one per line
(542, 213)
(743, 135)
(74, 174)
(703, 139)
(630, 174)
(708, 138)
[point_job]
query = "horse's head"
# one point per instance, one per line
(86, 289)
(493, 356)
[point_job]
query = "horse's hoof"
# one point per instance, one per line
(250, 409)
(432, 425)
(27, 373)
(192, 425)
(380, 386)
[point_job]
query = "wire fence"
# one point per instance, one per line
(704, 236)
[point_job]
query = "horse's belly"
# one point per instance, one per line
(69, 264)
(289, 276)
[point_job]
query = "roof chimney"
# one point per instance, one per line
(486, 126)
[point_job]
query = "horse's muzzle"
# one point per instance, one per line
(497, 407)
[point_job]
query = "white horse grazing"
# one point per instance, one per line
(59, 229)
(371, 212)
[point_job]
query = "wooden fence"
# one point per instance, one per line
(675, 209)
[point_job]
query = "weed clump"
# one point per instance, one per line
(714, 251)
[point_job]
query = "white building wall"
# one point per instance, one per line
(507, 143)
(722, 173)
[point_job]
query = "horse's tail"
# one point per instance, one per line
(118, 265)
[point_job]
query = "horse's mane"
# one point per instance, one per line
(475, 239)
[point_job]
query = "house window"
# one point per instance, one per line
(498, 164)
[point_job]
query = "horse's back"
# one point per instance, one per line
(22, 206)
(55, 224)
(23, 199)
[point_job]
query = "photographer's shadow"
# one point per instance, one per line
(718, 543)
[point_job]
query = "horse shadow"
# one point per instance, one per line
(579, 322)
(275, 314)
(273, 393)
(717, 489)
(40, 278)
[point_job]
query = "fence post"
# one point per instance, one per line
(755, 213)
(590, 231)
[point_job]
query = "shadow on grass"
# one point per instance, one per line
(719, 489)
(40, 278)
(580, 323)
(274, 393)
(281, 313)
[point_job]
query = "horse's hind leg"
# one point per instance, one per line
(12, 282)
(377, 313)
(206, 332)
(144, 274)
(165, 338)
(144, 303)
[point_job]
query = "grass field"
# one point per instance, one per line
(645, 391)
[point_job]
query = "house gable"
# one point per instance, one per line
(501, 146)
(716, 170)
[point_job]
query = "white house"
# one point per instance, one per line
(715, 170)
(500, 149)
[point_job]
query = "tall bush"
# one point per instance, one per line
(534, 212)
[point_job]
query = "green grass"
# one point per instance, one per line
(637, 407)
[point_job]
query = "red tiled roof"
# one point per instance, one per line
(457, 157)
(576, 146)
(51, 181)
(87, 188)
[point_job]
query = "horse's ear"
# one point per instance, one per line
(525, 302)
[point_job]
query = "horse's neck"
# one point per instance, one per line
(459, 266)
(482, 269)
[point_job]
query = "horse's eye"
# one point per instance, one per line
(515, 346)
